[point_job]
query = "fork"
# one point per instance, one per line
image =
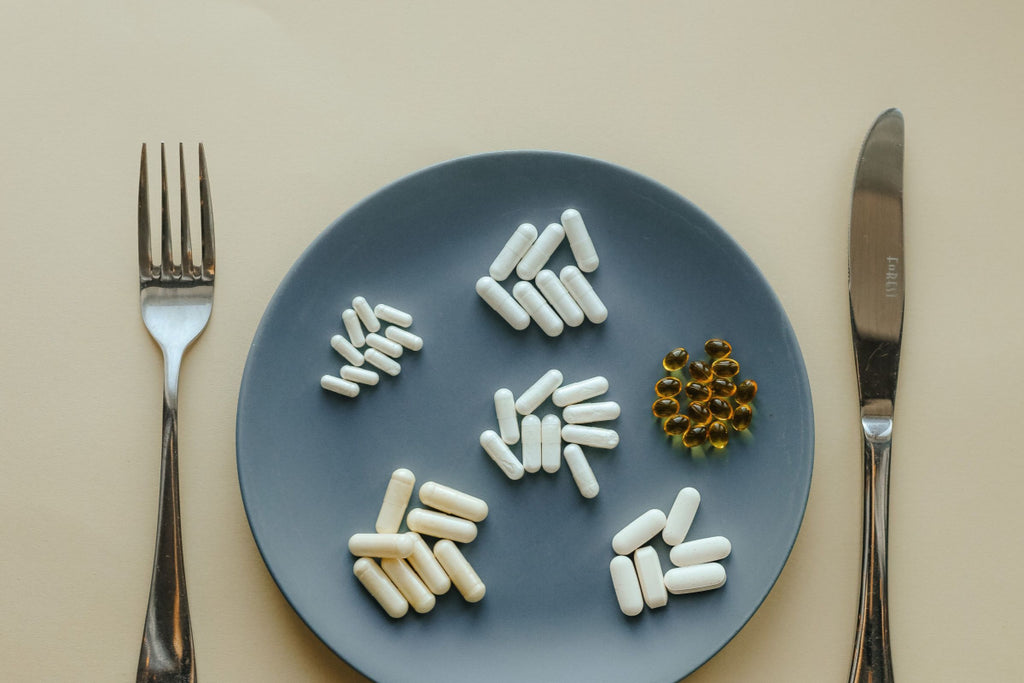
(176, 302)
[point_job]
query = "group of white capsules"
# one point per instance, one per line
(542, 438)
(563, 299)
(410, 573)
(640, 581)
(384, 348)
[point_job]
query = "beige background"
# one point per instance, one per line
(755, 111)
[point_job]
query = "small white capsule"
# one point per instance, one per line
(365, 314)
(440, 525)
(514, 250)
(408, 584)
(538, 308)
(700, 551)
(396, 500)
(505, 409)
(453, 501)
(461, 572)
(501, 454)
(390, 314)
(577, 392)
(404, 337)
(652, 581)
(639, 531)
(353, 327)
(380, 545)
(347, 351)
(380, 587)
(426, 565)
(382, 362)
(584, 413)
(584, 477)
(680, 516)
(579, 240)
(502, 303)
(538, 392)
(595, 437)
(538, 255)
(695, 578)
(531, 443)
(551, 443)
(559, 298)
(384, 345)
(360, 375)
(627, 586)
(339, 386)
(584, 294)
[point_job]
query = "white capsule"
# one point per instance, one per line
(516, 247)
(501, 454)
(404, 337)
(695, 578)
(584, 477)
(440, 525)
(384, 345)
(380, 545)
(680, 516)
(577, 392)
(639, 531)
(584, 413)
(531, 443)
(551, 443)
(559, 298)
(347, 350)
(538, 392)
(396, 500)
(339, 386)
(505, 409)
(502, 303)
(595, 437)
(423, 561)
(579, 240)
(652, 581)
(359, 375)
(584, 294)
(461, 572)
(627, 586)
(538, 255)
(700, 551)
(380, 587)
(534, 304)
(365, 314)
(408, 584)
(390, 314)
(453, 501)
(382, 362)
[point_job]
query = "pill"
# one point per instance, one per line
(695, 578)
(531, 443)
(384, 345)
(680, 516)
(626, 585)
(365, 314)
(700, 551)
(577, 392)
(582, 474)
(639, 531)
(380, 545)
(538, 308)
(408, 584)
(538, 392)
(380, 587)
(353, 327)
(652, 581)
(514, 250)
(404, 337)
(390, 314)
(559, 298)
(453, 501)
(596, 437)
(382, 362)
(501, 454)
(584, 294)
(423, 561)
(359, 375)
(440, 525)
(505, 409)
(540, 251)
(461, 572)
(582, 413)
(502, 302)
(346, 349)
(339, 386)
(550, 443)
(579, 240)
(396, 500)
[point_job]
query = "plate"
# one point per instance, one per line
(313, 466)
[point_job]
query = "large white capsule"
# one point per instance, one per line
(502, 303)
(538, 392)
(582, 474)
(531, 443)
(404, 337)
(347, 350)
(461, 572)
(577, 392)
(639, 531)
(551, 443)
(396, 500)
(652, 580)
(453, 501)
(584, 413)
(700, 551)
(517, 246)
(380, 587)
(538, 255)
(695, 578)
(440, 525)
(384, 345)
(584, 294)
(505, 409)
(501, 454)
(353, 328)
(595, 437)
(339, 386)
(539, 309)
(366, 315)
(390, 314)
(559, 298)
(423, 561)
(680, 515)
(627, 586)
(380, 545)
(579, 240)
(408, 584)
(382, 362)
(359, 375)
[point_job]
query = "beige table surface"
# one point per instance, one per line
(754, 111)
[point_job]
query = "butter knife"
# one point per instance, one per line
(876, 316)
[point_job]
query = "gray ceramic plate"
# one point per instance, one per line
(313, 466)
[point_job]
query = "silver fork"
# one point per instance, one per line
(176, 301)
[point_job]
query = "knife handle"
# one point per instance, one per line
(872, 660)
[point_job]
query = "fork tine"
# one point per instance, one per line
(145, 255)
(188, 268)
(166, 258)
(206, 216)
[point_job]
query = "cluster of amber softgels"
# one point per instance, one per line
(716, 398)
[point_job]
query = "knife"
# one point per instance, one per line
(876, 316)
